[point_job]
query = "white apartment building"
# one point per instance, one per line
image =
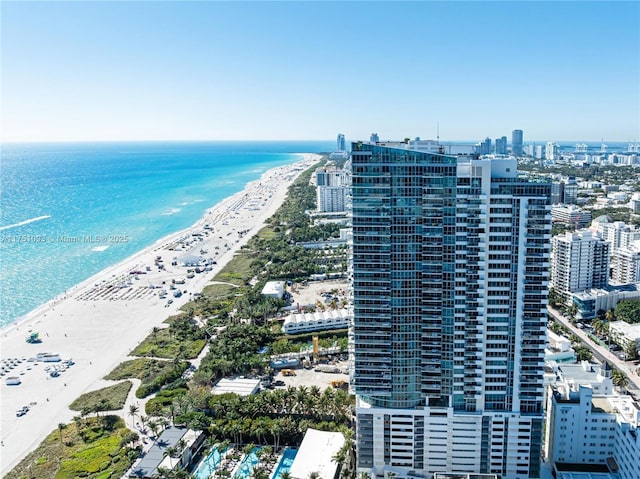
(617, 233)
(318, 321)
(558, 349)
(579, 262)
(625, 266)
(570, 376)
(570, 215)
(594, 300)
(623, 333)
(332, 199)
(551, 151)
(588, 429)
(332, 190)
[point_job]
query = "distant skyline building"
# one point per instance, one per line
(564, 191)
(450, 270)
(485, 147)
(551, 151)
(341, 146)
(501, 146)
(516, 142)
(374, 138)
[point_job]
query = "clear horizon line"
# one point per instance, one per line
(178, 140)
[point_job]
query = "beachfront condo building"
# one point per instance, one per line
(450, 275)
(332, 189)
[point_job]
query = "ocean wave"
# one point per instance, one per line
(25, 222)
(172, 211)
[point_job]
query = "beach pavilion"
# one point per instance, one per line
(191, 260)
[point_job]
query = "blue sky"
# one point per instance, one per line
(308, 70)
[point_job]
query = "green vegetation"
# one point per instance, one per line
(91, 448)
(275, 417)
(156, 405)
(607, 174)
(583, 353)
(628, 311)
(219, 291)
(614, 214)
(235, 351)
(115, 396)
(153, 373)
(619, 378)
(300, 342)
(237, 271)
(182, 339)
(557, 328)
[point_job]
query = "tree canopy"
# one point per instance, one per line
(628, 311)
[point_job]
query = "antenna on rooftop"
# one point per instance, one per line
(440, 147)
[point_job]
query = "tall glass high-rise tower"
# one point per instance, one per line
(340, 143)
(450, 274)
(516, 142)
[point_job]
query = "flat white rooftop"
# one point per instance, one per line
(316, 454)
(240, 386)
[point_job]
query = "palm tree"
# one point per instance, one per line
(619, 379)
(61, 426)
(153, 425)
(133, 410)
(610, 315)
(285, 475)
(313, 475)
(572, 311)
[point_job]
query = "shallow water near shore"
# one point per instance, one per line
(72, 210)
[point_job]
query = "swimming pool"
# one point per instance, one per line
(209, 465)
(285, 463)
(247, 465)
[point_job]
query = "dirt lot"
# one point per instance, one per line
(309, 377)
(312, 292)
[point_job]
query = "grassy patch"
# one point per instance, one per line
(153, 373)
(91, 448)
(219, 291)
(155, 405)
(266, 233)
(237, 271)
(115, 396)
(163, 344)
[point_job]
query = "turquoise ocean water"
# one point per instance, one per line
(62, 204)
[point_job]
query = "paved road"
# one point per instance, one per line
(600, 352)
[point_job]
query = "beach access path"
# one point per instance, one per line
(98, 322)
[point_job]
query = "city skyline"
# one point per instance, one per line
(100, 71)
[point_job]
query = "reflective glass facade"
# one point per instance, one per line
(450, 275)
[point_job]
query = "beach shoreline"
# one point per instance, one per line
(100, 320)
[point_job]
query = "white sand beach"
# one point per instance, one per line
(98, 322)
